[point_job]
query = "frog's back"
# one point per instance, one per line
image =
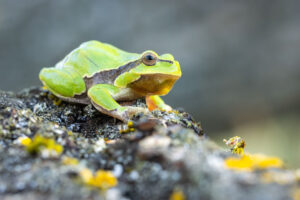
(94, 56)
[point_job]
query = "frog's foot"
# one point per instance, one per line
(103, 98)
(130, 111)
(124, 113)
(155, 102)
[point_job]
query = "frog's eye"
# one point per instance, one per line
(149, 59)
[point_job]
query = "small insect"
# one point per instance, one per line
(236, 145)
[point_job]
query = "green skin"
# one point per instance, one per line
(102, 74)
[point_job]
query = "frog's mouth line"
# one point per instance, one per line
(154, 84)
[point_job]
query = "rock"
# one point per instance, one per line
(165, 155)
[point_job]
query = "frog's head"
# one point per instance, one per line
(152, 74)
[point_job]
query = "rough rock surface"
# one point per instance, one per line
(154, 161)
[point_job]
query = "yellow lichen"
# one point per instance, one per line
(44, 87)
(263, 161)
(70, 133)
(25, 141)
(251, 162)
(177, 194)
(86, 175)
(176, 112)
(297, 175)
(296, 194)
(57, 101)
(279, 177)
(130, 124)
(47, 147)
(128, 128)
(102, 179)
(236, 144)
(69, 161)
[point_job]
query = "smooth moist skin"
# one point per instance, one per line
(100, 74)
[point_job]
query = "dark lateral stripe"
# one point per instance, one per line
(127, 67)
(109, 76)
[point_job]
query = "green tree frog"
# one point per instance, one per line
(103, 75)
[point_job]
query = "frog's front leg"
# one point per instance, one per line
(155, 102)
(104, 98)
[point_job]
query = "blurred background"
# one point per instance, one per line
(240, 59)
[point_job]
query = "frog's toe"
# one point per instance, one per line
(155, 102)
(123, 113)
(131, 111)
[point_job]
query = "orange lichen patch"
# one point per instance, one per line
(102, 179)
(25, 141)
(45, 146)
(177, 194)
(236, 144)
(66, 160)
(252, 162)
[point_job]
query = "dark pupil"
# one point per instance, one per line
(149, 57)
